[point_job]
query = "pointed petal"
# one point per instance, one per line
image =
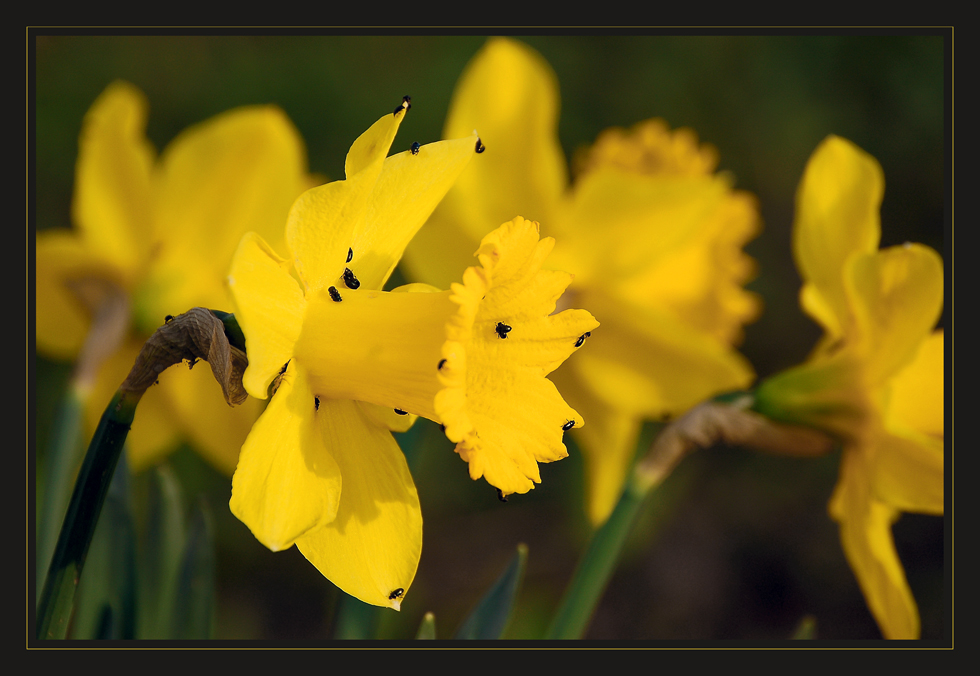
(608, 444)
(408, 189)
(508, 94)
(896, 295)
(837, 215)
(269, 308)
(918, 392)
(237, 172)
(64, 265)
(112, 204)
(648, 363)
(322, 222)
(371, 550)
(908, 472)
(287, 482)
(866, 535)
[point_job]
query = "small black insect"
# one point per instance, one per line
(396, 594)
(401, 412)
(502, 329)
(581, 339)
(415, 148)
(191, 363)
(568, 425)
(316, 403)
(501, 496)
(350, 255)
(442, 362)
(168, 319)
(350, 280)
(334, 294)
(479, 146)
(406, 104)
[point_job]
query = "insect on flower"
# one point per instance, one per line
(334, 294)
(503, 329)
(568, 425)
(350, 280)
(415, 148)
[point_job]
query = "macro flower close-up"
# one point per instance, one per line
(346, 363)
(153, 237)
(875, 380)
(651, 232)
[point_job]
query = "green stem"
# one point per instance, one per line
(597, 565)
(58, 595)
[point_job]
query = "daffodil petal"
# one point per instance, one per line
(897, 295)
(392, 419)
(608, 444)
(508, 94)
(287, 482)
(837, 215)
(645, 219)
(321, 225)
(918, 391)
(269, 309)
(112, 205)
(371, 550)
(238, 172)
(908, 472)
(408, 188)
(866, 536)
(670, 366)
(64, 262)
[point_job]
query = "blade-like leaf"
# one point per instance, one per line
(427, 629)
(489, 619)
(163, 543)
(194, 604)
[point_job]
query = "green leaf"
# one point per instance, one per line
(163, 544)
(489, 619)
(427, 629)
(105, 607)
(355, 619)
(194, 604)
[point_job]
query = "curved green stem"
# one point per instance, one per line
(57, 597)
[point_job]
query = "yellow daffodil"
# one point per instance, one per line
(345, 363)
(652, 234)
(157, 235)
(875, 380)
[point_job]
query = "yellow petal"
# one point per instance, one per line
(908, 472)
(509, 95)
(287, 482)
(896, 295)
(269, 309)
(865, 530)
(371, 550)
(837, 215)
(608, 443)
(237, 172)
(322, 222)
(648, 363)
(645, 220)
(918, 393)
(408, 189)
(66, 267)
(112, 205)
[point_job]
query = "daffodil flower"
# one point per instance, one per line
(653, 235)
(875, 380)
(158, 234)
(345, 363)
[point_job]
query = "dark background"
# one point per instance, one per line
(735, 545)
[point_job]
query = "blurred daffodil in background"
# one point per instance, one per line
(652, 234)
(875, 380)
(346, 363)
(153, 237)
